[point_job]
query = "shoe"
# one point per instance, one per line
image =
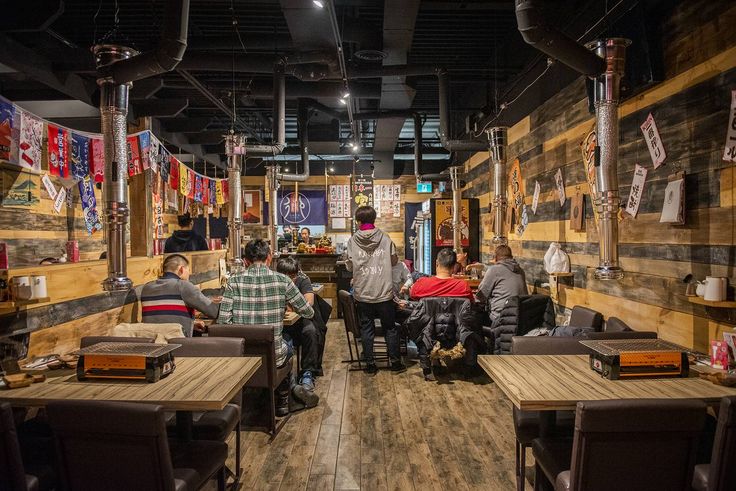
(282, 403)
(304, 395)
(397, 367)
(371, 369)
(295, 406)
(428, 375)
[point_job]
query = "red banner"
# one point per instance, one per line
(58, 150)
(134, 156)
(97, 159)
(174, 173)
(191, 180)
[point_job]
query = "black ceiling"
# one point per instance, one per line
(477, 41)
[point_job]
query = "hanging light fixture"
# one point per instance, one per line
(319, 4)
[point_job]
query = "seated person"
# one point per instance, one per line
(186, 239)
(461, 264)
(260, 296)
(463, 320)
(307, 333)
(502, 280)
(173, 299)
(442, 284)
(305, 236)
(402, 282)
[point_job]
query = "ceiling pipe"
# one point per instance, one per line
(234, 144)
(167, 54)
(309, 66)
(392, 71)
(418, 161)
(114, 120)
(603, 61)
(303, 129)
(279, 119)
(497, 138)
(444, 104)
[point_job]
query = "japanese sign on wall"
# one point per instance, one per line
(637, 189)
(362, 192)
(535, 200)
(387, 200)
(587, 148)
(560, 186)
(339, 200)
(729, 151)
(443, 220)
(654, 142)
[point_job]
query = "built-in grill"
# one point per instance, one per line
(128, 361)
(624, 358)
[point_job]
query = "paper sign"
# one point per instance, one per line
(637, 189)
(729, 151)
(560, 184)
(60, 199)
(654, 142)
(31, 141)
(339, 223)
(535, 200)
(46, 180)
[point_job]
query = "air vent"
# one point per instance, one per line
(370, 55)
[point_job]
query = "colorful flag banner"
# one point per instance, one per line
(190, 183)
(144, 143)
(183, 178)
(134, 156)
(198, 189)
(58, 150)
(7, 113)
(80, 156)
(174, 173)
(97, 159)
(89, 205)
(225, 190)
(729, 150)
(205, 190)
(213, 192)
(30, 144)
(219, 196)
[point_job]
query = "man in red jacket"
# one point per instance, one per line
(443, 284)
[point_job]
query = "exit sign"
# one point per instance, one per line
(424, 187)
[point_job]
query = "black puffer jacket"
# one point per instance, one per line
(446, 319)
(519, 316)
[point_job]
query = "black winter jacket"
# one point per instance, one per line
(446, 319)
(519, 316)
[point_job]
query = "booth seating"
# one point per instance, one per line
(519, 316)
(585, 317)
(259, 341)
(122, 446)
(635, 445)
(214, 425)
(15, 474)
(720, 474)
(614, 324)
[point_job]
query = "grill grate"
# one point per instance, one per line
(127, 349)
(618, 346)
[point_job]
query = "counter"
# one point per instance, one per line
(321, 268)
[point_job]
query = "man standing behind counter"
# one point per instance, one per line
(371, 255)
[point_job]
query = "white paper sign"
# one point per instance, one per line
(535, 200)
(46, 180)
(60, 199)
(637, 189)
(560, 184)
(729, 152)
(339, 223)
(654, 142)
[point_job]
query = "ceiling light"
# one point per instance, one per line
(332, 169)
(345, 94)
(319, 3)
(343, 101)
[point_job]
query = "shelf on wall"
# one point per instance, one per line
(724, 304)
(20, 303)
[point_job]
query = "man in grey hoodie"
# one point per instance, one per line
(371, 255)
(502, 280)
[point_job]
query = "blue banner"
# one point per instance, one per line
(309, 207)
(80, 156)
(89, 205)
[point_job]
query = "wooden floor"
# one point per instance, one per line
(387, 431)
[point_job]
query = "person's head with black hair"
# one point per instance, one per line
(257, 251)
(503, 252)
(365, 215)
(177, 264)
(446, 260)
(185, 221)
(305, 234)
(289, 266)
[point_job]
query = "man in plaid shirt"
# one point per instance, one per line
(259, 296)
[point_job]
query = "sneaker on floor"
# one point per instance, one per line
(371, 369)
(397, 367)
(428, 375)
(295, 406)
(305, 395)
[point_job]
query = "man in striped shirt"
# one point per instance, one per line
(259, 296)
(173, 299)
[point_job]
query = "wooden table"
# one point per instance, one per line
(318, 288)
(197, 384)
(558, 382)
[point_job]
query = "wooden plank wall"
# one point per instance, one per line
(691, 110)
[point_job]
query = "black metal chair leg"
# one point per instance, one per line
(238, 456)
(221, 479)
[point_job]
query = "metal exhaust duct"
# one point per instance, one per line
(457, 215)
(606, 97)
(418, 155)
(273, 210)
(303, 130)
(498, 139)
(444, 105)
(234, 144)
(279, 118)
(113, 115)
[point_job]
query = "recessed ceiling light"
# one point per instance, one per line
(343, 101)
(319, 3)
(345, 94)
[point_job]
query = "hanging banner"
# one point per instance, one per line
(205, 191)
(30, 144)
(60, 199)
(729, 151)
(362, 192)
(637, 189)
(58, 150)
(97, 159)
(80, 156)
(46, 180)
(535, 200)
(134, 156)
(89, 206)
(154, 154)
(198, 189)
(226, 190)
(515, 193)
(213, 192)
(144, 143)
(654, 142)
(7, 113)
(307, 207)
(219, 197)
(190, 183)
(560, 185)
(443, 219)
(164, 161)
(587, 148)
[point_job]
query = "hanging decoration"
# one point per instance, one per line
(535, 199)
(637, 189)
(134, 156)
(58, 150)
(80, 156)
(144, 144)
(30, 145)
(729, 151)
(89, 205)
(560, 186)
(587, 147)
(50, 188)
(97, 159)
(7, 113)
(654, 142)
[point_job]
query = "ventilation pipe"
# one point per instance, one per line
(168, 52)
(457, 210)
(303, 130)
(114, 115)
(418, 161)
(606, 97)
(497, 138)
(273, 210)
(234, 144)
(444, 104)
(603, 61)
(279, 118)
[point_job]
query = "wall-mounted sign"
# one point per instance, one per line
(424, 187)
(252, 207)
(443, 220)
(303, 208)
